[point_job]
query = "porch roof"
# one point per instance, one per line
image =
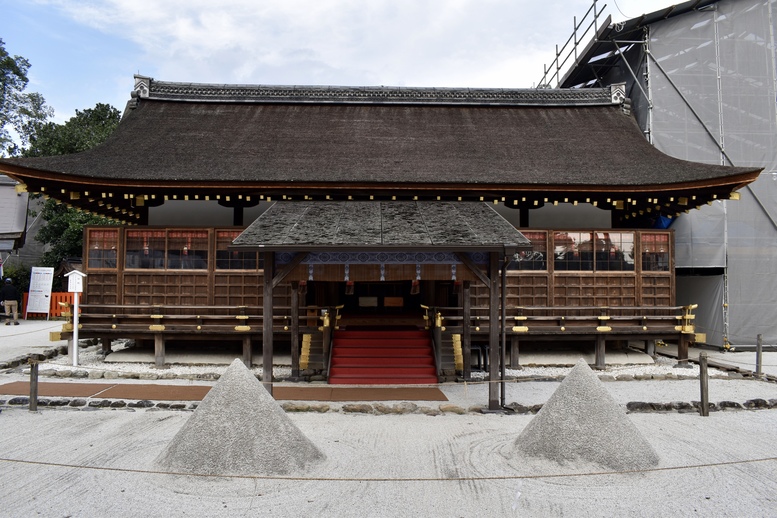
(381, 225)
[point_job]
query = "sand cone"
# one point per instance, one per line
(239, 429)
(582, 422)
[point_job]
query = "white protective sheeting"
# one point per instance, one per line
(713, 88)
(707, 292)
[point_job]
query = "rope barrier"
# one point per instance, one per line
(392, 479)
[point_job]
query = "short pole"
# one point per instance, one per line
(75, 329)
(704, 379)
(758, 355)
(34, 386)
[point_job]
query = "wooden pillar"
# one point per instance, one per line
(106, 345)
(159, 350)
(682, 349)
(514, 347)
(523, 218)
(267, 319)
(493, 332)
(295, 330)
(600, 341)
(466, 329)
(237, 216)
(650, 348)
(248, 356)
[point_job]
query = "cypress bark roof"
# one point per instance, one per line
(242, 143)
(266, 143)
(353, 225)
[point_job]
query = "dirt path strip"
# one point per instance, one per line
(156, 392)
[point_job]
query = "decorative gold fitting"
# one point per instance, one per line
(603, 329)
(242, 328)
(156, 327)
(520, 329)
(242, 317)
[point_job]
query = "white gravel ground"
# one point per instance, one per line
(85, 464)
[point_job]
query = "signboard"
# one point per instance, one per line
(75, 282)
(39, 300)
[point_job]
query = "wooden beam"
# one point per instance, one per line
(295, 261)
(482, 277)
(514, 352)
(248, 356)
(493, 331)
(159, 350)
(466, 329)
(600, 343)
(267, 320)
(295, 329)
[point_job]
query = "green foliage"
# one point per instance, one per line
(63, 232)
(20, 275)
(87, 129)
(19, 111)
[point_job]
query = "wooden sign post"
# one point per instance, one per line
(75, 285)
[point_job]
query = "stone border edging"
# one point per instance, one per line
(378, 408)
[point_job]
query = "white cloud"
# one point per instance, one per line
(498, 43)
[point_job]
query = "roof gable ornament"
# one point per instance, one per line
(142, 87)
(618, 96)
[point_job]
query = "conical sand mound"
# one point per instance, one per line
(582, 422)
(239, 429)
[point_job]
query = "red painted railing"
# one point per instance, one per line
(55, 310)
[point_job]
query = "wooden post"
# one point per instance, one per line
(650, 348)
(295, 330)
(106, 343)
(159, 350)
(248, 356)
(34, 386)
(758, 355)
(466, 329)
(493, 332)
(600, 343)
(682, 350)
(267, 320)
(704, 380)
(514, 352)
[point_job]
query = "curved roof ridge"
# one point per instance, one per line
(149, 88)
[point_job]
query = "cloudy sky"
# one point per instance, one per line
(86, 51)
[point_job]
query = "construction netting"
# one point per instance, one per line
(713, 90)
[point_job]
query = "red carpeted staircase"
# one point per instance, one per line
(382, 357)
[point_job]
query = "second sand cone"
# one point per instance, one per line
(582, 422)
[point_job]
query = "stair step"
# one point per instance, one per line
(383, 361)
(383, 342)
(381, 334)
(353, 352)
(382, 357)
(388, 380)
(380, 370)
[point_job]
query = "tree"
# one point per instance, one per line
(63, 232)
(19, 111)
(87, 129)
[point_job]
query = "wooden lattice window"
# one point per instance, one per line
(614, 251)
(233, 259)
(655, 251)
(572, 251)
(145, 249)
(102, 244)
(537, 257)
(187, 249)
